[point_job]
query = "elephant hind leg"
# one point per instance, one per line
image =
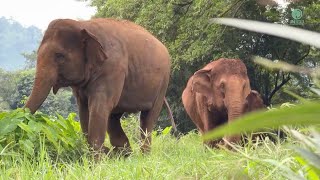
(148, 119)
(118, 138)
(146, 128)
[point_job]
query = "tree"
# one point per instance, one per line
(7, 85)
(62, 103)
(183, 26)
(30, 59)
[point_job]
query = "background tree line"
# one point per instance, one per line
(184, 27)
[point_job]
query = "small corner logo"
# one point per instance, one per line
(296, 15)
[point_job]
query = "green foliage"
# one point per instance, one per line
(183, 26)
(31, 59)
(170, 158)
(17, 87)
(24, 133)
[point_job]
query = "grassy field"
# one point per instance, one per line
(170, 158)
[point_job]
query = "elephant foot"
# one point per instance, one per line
(213, 143)
(99, 153)
(145, 148)
(121, 152)
(229, 142)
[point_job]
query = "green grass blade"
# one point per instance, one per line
(306, 114)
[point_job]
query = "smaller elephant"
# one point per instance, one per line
(254, 102)
(219, 93)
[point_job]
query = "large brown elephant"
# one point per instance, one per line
(113, 66)
(219, 93)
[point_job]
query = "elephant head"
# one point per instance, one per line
(254, 102)
(225, 85)
(66, 57)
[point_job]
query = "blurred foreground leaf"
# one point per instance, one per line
(288, 32)
(306, 114)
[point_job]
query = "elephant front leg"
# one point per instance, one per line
(84, 117)
(210, 122)
(99, 112)
(82, 102)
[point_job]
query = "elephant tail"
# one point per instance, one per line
(171, 116)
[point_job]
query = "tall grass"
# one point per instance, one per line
(170, 158)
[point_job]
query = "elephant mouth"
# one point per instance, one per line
(63, 82)
(55, 89)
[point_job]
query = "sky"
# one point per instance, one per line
(41, 12)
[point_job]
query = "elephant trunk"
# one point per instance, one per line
(235, 110)
(41, 88)
(235, 103)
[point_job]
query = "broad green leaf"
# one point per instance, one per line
(27, 146)
(47, 120)
(306, 114)
(51, 135)
(17, 114)
(8, 125)
(35, 126)
(29, 117)
(166, 130)
(25, 127)
(2, 115)
(61, 121)
(72, 124)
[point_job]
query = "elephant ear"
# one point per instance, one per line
(94, 50)
(201, 82)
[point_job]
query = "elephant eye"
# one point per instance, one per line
(59, 57)
(222, 87)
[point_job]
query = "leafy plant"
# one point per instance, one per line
(21, 132)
